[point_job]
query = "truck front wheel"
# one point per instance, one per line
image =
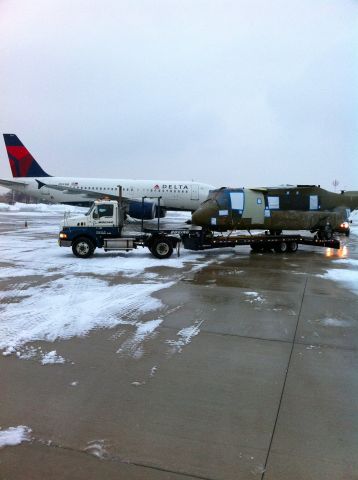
(162, 248)
(83, 247)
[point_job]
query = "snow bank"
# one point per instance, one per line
(14, 436)
(53, 208)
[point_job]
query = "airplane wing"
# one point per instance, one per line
(73, 191)
(11, 184)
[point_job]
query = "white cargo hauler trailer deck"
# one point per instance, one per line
(102, 227)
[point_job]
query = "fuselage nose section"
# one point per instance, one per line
(203, 215)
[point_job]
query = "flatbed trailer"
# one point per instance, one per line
(207, 240)
(258, 242)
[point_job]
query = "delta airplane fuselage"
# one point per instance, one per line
(174, 195)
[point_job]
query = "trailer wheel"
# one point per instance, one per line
(162, 248)
(83, 247)
(280, 247)
(292, 247)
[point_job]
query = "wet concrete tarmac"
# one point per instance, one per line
(264, 387)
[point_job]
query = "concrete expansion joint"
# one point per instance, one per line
(106, 457)
(284, 383)
(222, 334)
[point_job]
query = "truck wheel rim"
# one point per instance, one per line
(82, 248)
(162, 248)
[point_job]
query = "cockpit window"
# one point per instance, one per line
(222, 199)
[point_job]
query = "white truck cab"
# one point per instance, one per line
(103, 213)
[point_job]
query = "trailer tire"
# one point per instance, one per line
(83, 247)
(280, 247)
(292, 247)
(162, 248)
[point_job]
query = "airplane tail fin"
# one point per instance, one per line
(21, 161)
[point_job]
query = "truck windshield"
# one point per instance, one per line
(90, 210)
(105, 211)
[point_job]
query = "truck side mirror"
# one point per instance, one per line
(95, 214)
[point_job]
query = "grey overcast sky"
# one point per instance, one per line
(235, 93)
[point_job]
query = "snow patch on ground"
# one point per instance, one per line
(96, 448)
(254, 297)
(144, 330)
(14, 436)
(334, 322)
(185, 337)
(73, 306)
(348, 261)
(349, 278)
(51, 358)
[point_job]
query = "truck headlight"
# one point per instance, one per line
(63, 235)
(344, 225)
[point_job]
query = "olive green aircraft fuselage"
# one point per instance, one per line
(301, 207)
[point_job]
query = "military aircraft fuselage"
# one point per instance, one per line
(298, 207)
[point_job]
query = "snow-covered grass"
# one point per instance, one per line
(14, 436)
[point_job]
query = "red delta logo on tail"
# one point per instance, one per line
(22, 163)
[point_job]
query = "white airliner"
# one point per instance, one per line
(31, 179)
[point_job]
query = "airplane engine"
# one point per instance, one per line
(160, 212)
(138, 210)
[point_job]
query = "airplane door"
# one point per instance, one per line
(254, 206)
(194, 192)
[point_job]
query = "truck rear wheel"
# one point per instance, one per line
(83, 247)
(162, 248)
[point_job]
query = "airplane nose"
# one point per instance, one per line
(197, 218)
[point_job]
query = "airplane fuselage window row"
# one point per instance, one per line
(183, 192)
